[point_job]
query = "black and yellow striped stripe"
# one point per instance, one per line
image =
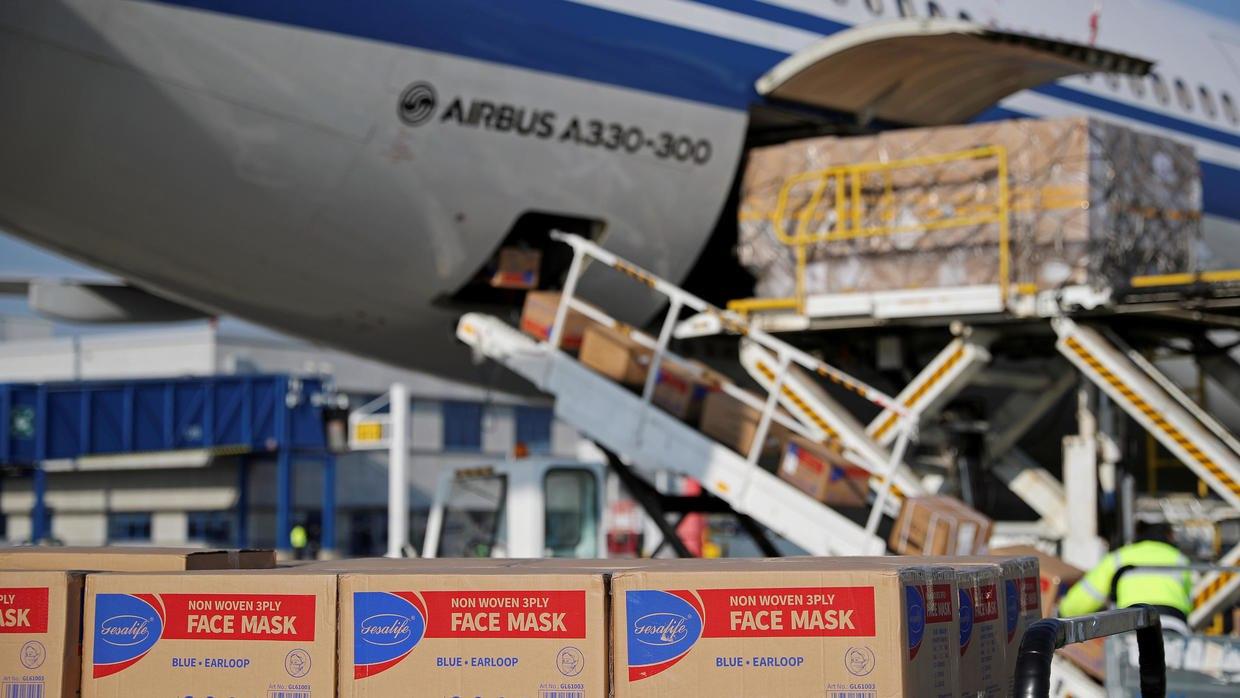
(921, 391)
(1212, 589)
(1168, 429)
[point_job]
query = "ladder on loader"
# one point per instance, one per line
(651, 440)
(1178, 423)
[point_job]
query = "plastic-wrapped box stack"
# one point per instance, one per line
(1090, 203)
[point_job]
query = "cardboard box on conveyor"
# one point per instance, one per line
(1091, 203)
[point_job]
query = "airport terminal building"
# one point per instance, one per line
(190, 496)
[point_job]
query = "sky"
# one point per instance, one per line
(19, 259)
(1224, 8)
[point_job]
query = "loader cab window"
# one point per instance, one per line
(572, 516)
(474, 518)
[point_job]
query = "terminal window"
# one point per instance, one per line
(129, 525)
(534, 429)
(211, 527)
(462, 426)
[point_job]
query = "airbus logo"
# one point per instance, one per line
(660, 629)
(417, 103)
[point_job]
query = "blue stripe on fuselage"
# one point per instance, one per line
(566, 38)
(551, 36)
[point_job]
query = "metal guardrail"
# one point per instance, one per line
(1037, 647)
(786, 354)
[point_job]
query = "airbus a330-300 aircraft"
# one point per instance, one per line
(342, 171)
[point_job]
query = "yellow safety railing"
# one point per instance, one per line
(844, 195)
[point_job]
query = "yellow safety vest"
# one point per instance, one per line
(297, 537)
(1172, 588)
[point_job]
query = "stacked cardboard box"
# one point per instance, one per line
(615, 354)
(40, 622)
(810, 626)
(41, 592)
(538, 317)
(927, 626)
(735, 424)
(681, 389)
(522, 630)
(1056, 576)
(938, 525)
(823, 473)
(232, 633)
(1091, 203)
(517, 268)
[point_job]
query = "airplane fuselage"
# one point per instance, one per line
(337, 173)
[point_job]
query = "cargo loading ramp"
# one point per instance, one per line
(1178, 423)
(651, 440)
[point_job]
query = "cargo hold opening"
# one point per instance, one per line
(527, 259)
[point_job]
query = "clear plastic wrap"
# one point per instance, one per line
(1089, 203)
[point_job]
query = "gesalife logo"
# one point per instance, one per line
(386, 627)
(664, 627)
(125, 631)
(915, 605)
(126, 628)
(660, 629)
(417, 103)
(966, 619)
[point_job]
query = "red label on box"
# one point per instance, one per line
(986, 605)
(796, 612)
(1031, 599)
(282, 617)
(939, 607)
(506, 614)
(23, 610)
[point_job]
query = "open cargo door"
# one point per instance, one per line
(929, 72)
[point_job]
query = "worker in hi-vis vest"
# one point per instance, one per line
(298, 539)
(1168, 591)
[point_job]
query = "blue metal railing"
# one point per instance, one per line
(235, 415)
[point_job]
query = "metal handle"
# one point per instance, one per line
(1037, 648)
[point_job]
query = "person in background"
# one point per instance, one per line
(1168, 591)
(297, 538)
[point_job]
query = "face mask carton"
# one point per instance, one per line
(822, 627)
(132, 559)
(982, 632)
(517, 632)
(231, 633)
(40, 621)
